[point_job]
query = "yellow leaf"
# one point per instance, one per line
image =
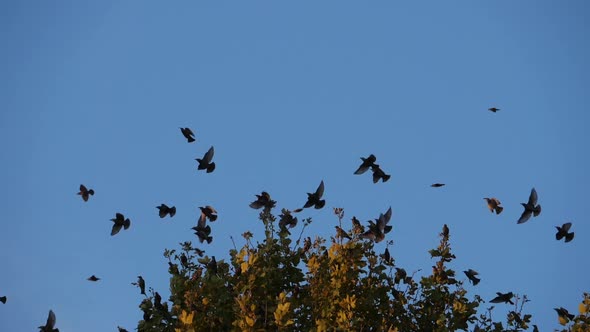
(249, 321)
(583, 308)
(562, 320)
(205, 301)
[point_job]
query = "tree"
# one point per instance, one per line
(340, 284)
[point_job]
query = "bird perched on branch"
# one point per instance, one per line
(85, 192)
(494, 205)
(563, 315)
(563, 231)
(206, 163)
(530, 208)
(188, 134)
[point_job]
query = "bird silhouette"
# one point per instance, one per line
(50, 325)
(505, 298)
(493, 109)
(188, 134)
(121, 329)
(530, 208)
(315, 198)
(471, 274)
(119, 222)
(341, 234)
(202, 230)
(263, 201)
(437, 185)
(386, 256)
(208, 212)
(183, 260)
(206, 163)
(367, 162)
(157, 301)
(212, 265)
(286, 219)
(379, 174)
(563, 315)
(563, 231)
(3, 299)
(378, 229)
(165, 210)
(93, 278)
(85, 192)
(494, 205)
(141, 284)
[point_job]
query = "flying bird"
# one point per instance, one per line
(286, 219)
(564, 315)
(378, 230)
(93, 278)
(85, 192)
(471, 274)
(437, 185)
(3, 299)
(493, 109)
(563, 231)
(188, 134)
(206, 163)
(379, 174)
(367, 162)
(202, 230)
(141, 284)
(165, 210)
(263, 201)
(119, 222)
(530, 208)
(50, 325)
(506, 298)
(494, 205)
(315, 198)
(208, 212)
(121, 329)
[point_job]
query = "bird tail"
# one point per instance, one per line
(569, 237)
(172, 211)
(499, 209)
(537, 210)
(190, 139)
(127, 223)
(385, 178)
(211, 168)
(476, 281)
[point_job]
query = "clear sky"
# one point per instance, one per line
(288, 93)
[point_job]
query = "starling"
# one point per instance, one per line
(3, 299)
(563, 231)
(119, 222)
(183, 260)
(367, 162)
(386, 256)
(141, 284)
(206, 163)
(85, 192)
(506, 298)
(564, 315)
(379, 174)
(314, 199)
(188, 134)
(93, 278)
(121, 329)
(494, 205)
(208, 212)
(530, 208)
(471, 274)
(202, 230)
(493, 109)
(157, 301)
(50, 325)
(287, 219)
(212, 265)
(437, 185)
(263, 201)
(357, 228)
(378, 230)
(165, 210)
(340, 233)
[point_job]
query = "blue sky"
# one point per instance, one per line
(288, 94)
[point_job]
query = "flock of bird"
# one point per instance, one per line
(376, 229)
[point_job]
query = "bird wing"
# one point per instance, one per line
(566, 226)
(209, 155)
(119, 217)
(116, 228)
(533, 197)
(126, 223)
(320, 191)
(50, 320)
(362, 169)
(83, 188)
(526, 215)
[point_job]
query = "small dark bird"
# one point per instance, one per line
(493, 109)
(564, 315)
(471, 274)
(563, 231)
(386, 256)
(379, 174)
(188, 134)
(85, 193)
(183, 260)
(535, 328)
(93, 278)
(314, 199)
(263, 201)
(3, 299)
(141, 284)
(437, 185)
(445, 231)
(164, 210)
(119, 222)
(357, 228)
(494, 205)
(341, 234)
(286, 219)
(212, 265)
(50, 325)
(121, 329)
(206, 163)
(506, 298)
(378, 230)
(157, 301)
(203, 233)
(208, 212)
(367, 162)
(530, 208)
